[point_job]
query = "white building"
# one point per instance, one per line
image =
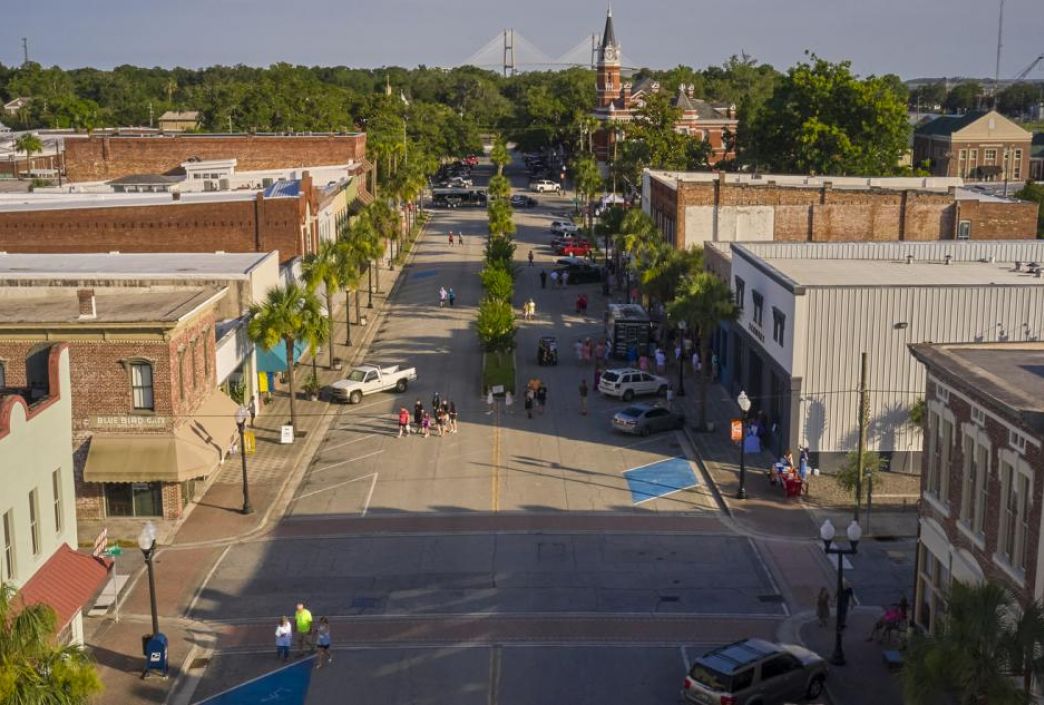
(37, 499)
(810, 309)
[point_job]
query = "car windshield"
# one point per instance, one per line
(634, 411)
(710, 678)
(357, 376)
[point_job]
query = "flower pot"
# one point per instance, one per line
(337, 363)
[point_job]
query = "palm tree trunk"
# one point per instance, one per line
(704, 377)
(348, 318)
(369, 280)
(358, 312)
(377, 277)
(290, 378)
(330, 316)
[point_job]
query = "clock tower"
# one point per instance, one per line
(608, 65)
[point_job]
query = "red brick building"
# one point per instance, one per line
(148, 423)
(977, 146)
(101, 158)
(694, 208)
(982, 478)
(232, 221)
(619, 99)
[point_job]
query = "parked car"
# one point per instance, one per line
(523, 201)
(471, 160)
(755, 672)
(576, 248)
(583, 273)
(367, 379)
(627, 383)
(564, 227)
(460, 182)
(643, 419)
(545, 186)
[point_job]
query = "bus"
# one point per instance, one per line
(454, 197)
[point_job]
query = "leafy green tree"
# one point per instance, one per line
(499, 187)
(847, 476)
(323, 268)
(499, 215)
(704, 302)
(927, 97)
(500, 251)
(964, 97)
(1017, 99)
(978, 648)
(822, 119)
(281, 318)
(651, 140)
(499, 155)
(34, 668)
(29, 144)
(588, 183)
(497, 281)
(495, 324)
(639, 236)
(667, 270)
(1034, 192)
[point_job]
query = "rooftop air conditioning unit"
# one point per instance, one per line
(223, 184)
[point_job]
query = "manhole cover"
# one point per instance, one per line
(770, 598)
(198, 663)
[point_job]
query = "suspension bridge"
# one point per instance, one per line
(510, 52)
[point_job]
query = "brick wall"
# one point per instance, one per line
(996, 220)
(998, 436)
(107, 157)
(261, 225)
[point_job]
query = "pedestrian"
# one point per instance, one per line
(253, 409)
(697, 366)
(823, 606)
(440, 421)
(564, 279)
(643, 362)
(509, 399)
(489, 402)
(283, 637)
(578, 303)
(532, 309)
(303, 618)
(418, 413)
(322, 640)
(525, 310)
(531, 258)
(670, 397)
(583, 397)
(554, 279)
(453, 416)
(404, 421)
(426, 425)
(460, 238)
(451, 238)
(529, 403)
(583, 304)
(586, 350)
(600, 350)
(436, 402)
(597, 376)
(578, 348)
(452, 295)
(661, 361)
(543, 279)
(442, 296)
(541, 397)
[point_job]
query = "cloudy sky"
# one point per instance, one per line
(909, 37)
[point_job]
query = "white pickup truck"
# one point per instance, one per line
(367, 379)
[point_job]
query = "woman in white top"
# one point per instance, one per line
(283, 637)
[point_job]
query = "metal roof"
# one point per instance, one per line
(948, 124)
(180, 265)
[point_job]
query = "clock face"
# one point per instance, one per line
(610, 53)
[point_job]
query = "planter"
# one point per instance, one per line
(313, 396)
(337, 363)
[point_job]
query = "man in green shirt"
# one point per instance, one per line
(303, 619)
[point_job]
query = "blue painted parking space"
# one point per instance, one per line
(285, 686)
(660, 479)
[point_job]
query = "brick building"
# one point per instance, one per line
(694, 208)
(619, 99)
(981, 478)
(148, 424)
(978, 146)
(100, 158)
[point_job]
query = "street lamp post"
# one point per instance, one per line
(241, 416)
(826, 533)
(681, 359)
(744, 404)
(147, 544)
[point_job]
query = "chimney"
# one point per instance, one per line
(85, 297)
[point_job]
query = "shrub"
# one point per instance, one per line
(496, 325)
(497, 281)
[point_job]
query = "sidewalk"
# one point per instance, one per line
(182, 565)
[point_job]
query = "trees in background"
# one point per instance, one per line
(29, 144)
(588, 183)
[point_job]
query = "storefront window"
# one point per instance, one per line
(137, 499)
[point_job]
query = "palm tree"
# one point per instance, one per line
(499, 214)
(667, 269)
(30, 144)
(366, 243)
(703, 301)
(346, 263)
(979, 646)
(588, 183)
(316, 329)
(638, 237)
(281, 318)
(499, 154)
(322, 268)
(386, 221)
(34, 668)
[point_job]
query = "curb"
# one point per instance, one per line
(707, 477)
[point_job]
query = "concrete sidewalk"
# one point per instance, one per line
(216, 521)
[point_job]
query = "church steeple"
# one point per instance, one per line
(610, 50)
(608, 73)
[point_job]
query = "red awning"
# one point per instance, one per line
(66, 582)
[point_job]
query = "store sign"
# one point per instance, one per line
(756, 331)
(286, 434)
(130, 422)
(737, 430)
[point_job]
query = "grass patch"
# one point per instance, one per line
(498, 368)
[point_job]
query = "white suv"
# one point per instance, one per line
(627, 383)
(545, 185)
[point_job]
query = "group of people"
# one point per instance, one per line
(309, 636)
(892, 621)
(793, 478)
(442, 418)
(447, 295)
(586, 350)
(528, 310)
(460, 238)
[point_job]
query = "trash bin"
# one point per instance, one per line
(155, 647)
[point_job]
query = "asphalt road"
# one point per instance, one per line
(596, 599)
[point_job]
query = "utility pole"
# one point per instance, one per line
(996, 70)
(25, 51)
(863, 420)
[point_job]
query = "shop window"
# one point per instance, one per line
(137, 499)
(964, 230)
(759, 306)
(1013, 539)
(56, 489)
(9, 546)
(141, 386)
(933, 579)
(34, 521)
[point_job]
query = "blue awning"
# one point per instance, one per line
(274, 360)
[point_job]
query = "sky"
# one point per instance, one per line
(912, 38)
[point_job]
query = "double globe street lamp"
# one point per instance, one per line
(744, 404)
(242, 413)
(827, 533)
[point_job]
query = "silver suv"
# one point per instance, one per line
(755, 672)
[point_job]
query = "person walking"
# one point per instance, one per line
(303, 618)
(531, 258)
(489, 402)
(426, 425)
(543, 279)
(529, 403)
(253, 409)
(532, 309)
(509, 400)
(460, 238)
(322, 640)
(452, 296)
(442, 296)
(453, 416)
(554, 279)
(583, 397)
(451, 238)
(541, 397)
(436, 402)
(404, 422)
(564, 279)
(283, 637)
(670, 397)
(440, 421)
(661, 361)
(418, 413)
(823, 607)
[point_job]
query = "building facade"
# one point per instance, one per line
(38, 502)
(178, 120)
(619, 99)
(982, 469)
(149, 426)
(977, 146)
(807, 312)
(695, 208)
